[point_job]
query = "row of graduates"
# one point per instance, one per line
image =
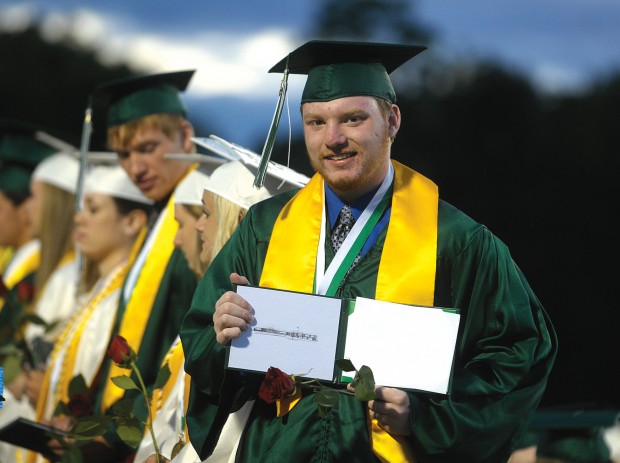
(145, 233)
(506, 343)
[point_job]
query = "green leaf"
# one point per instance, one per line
(123, 408)
(141, 406)
(323, 411)
(89, 427)
(130, 431)
(77, 386)
(162, 377)
(364, 384)
(326, 397)
(345, 365)
(177, 448)
(124, 382)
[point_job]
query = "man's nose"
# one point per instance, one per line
(136, 164)
(335, 137)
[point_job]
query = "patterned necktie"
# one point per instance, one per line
(344, 224)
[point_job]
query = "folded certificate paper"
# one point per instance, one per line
(406, 346)
(295, 332)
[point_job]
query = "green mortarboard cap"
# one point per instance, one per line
(131, 98)
(20, 152)
(339, 69)
(18, 143)
(573, 433)
(14, 178)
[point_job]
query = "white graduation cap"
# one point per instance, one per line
(60, 170)
(233, 181)
(113, 181)
(208, 163)
(189, 190)
(275, 172)
(105, 157)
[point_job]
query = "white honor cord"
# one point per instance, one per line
(134, 272)
(323, 278)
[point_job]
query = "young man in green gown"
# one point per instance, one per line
(421, 251)
(145, 119)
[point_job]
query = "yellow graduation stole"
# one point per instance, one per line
(175, 360)
(6, 253)
(411, 237)
(28, 264)
(143, 295)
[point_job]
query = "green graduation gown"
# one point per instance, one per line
(504, 353)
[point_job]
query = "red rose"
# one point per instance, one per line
(119, 351)
(276, 386)
(80, 405)
(25, 291)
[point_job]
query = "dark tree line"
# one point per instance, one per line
(49, 83)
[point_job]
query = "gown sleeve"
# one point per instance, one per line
(504, 355)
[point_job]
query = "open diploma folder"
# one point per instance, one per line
(408, 347)
(31, 435)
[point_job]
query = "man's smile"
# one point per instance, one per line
(339, 156)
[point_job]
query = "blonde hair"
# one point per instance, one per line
(196, 212)
(56, 230)
(229, 216)
(169, 124)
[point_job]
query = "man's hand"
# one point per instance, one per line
(391, 409)
(233, 314)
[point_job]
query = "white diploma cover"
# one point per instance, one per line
(408, 347)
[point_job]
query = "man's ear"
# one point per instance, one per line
(393, 121)
(187, 132)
